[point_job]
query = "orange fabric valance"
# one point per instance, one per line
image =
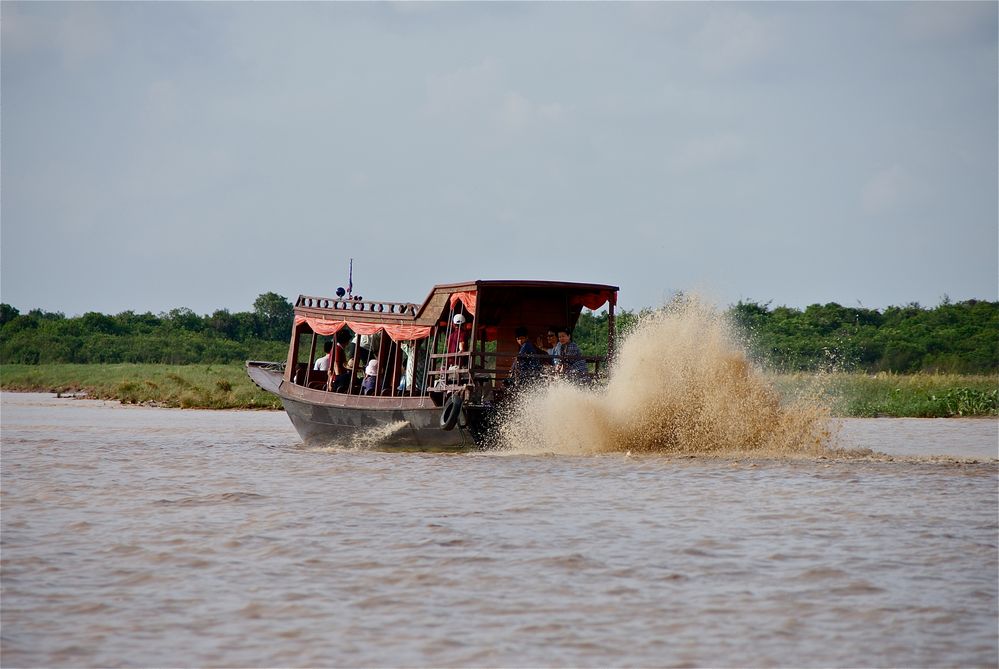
(593, 301)
(467, 298)
(407, 332)
(319, 326)
(395, 332)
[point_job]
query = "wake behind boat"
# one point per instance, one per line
(424, 377)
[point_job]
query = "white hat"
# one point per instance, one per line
(459, 319)
(372, 368)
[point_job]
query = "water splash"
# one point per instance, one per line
(681, 385)
(363, 440)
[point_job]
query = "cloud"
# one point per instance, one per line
(886, 190)
(733, 40)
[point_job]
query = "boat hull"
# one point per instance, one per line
(381, 423)
(374, 428)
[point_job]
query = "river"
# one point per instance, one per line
(144, 537)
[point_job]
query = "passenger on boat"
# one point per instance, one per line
(415, 367)
(370, 377)
(323, 362)
(357, 349)
(370, 343)
(457, 339)
(339, 373)
(551, 341)
(527, 366)
(408, 366)
(568, 358)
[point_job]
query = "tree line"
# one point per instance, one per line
(954, 337)
(177, 337)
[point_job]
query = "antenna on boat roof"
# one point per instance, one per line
(350, 279)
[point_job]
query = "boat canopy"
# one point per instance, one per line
(542, 301)
(432, 351)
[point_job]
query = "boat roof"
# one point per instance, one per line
(372, 311)
(518, 283)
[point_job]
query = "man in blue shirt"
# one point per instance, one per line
(527, 367)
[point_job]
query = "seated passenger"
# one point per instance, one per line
(370, 377)
(339, 373)
(357, 349)
(569, 361)
(549, 344)
(322, 363)
(527, 367)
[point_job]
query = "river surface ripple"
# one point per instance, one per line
(151, 537)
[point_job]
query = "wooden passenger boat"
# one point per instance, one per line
(428, 394)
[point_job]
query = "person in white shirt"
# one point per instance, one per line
(322, 363)
(370, 377)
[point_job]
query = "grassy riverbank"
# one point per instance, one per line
(184, 386)
(896, 395)
(228, 387)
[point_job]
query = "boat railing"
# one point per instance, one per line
(353, 306)
(595, 360)
(473, 368)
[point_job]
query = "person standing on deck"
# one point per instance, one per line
(456, 341)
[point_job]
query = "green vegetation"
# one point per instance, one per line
(896, 395)
(179, 337)
(185, 386)
(952, 338)
(956, 338)
(228, 387)
(904, 361)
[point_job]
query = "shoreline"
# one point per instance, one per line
(844, 394)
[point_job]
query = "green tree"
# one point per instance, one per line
(7, 313)
(276, 314)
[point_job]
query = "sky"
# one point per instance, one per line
(161, 155)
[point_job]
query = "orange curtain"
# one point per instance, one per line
(593, 301)
(319, 326)
(407, 332)
(467, 298)
(395, 332)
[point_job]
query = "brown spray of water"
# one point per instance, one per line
(681, 385)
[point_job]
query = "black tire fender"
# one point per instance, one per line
(450, 412)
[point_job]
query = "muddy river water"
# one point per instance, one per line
(152, 537)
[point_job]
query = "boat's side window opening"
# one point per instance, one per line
(398, 368)
(491, 347)
(450, 350)
(417, 381)
(436, 345)
(360, 351)
(336, 368)
(307, 342)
